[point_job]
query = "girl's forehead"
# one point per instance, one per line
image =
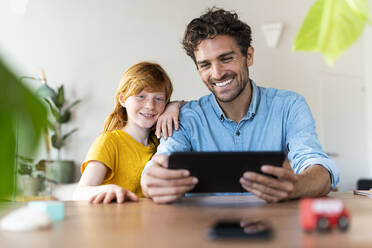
(153, 91)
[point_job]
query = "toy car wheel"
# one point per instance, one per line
(343, 223)
(322, 225)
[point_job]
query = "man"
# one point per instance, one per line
(240, 116)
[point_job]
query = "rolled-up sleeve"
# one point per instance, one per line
(304, 148)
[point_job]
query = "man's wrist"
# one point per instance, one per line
(314, 181)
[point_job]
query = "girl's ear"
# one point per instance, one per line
(122, 101)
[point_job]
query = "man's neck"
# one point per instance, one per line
(238, 108)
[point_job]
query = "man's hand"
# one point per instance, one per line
(110, 193)
(271, 189)
(164, 185)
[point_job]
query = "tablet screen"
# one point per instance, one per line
(221, 171)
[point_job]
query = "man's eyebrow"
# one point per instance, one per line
(219, 56)
(226, 54)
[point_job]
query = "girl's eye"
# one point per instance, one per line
(159, 99)
(140, 97)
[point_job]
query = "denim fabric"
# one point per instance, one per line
(277, 120)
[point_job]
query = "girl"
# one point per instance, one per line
(113, 166)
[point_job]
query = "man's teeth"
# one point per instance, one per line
(223, 83)
(148, 115)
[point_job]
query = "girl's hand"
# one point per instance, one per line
(111, 193)
(167, 119)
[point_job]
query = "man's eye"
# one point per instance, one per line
(201, 66)
(140, 97)
(226, 59)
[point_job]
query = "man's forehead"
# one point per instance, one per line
(213, 48)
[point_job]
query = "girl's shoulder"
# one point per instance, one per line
(110, 137)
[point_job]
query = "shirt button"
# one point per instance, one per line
(237, 133)
(221, 118)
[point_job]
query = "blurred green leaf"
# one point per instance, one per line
(51, 125)
(73, 104)
(65, 117)
(45, 91)
(57, 141)
(53, 109)
(331, 26)
(69, 133)
(59, 101)
(19, 110)
(40, 166)
(24, 159)
(24, 169)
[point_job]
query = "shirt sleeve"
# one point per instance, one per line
(303, 146)
(102, 150)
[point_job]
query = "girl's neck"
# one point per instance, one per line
(138, 133)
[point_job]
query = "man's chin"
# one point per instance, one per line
(224, 99)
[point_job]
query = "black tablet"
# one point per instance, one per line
(221, 171)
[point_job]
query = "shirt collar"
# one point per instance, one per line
(252, 107)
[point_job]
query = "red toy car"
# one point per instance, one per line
(323, 214)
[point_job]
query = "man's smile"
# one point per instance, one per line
(224, 83)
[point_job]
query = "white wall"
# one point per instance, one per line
(368, 82)
(86, 45)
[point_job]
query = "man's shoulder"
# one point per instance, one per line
(279, 95)
(197, 106)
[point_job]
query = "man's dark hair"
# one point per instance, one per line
(215, 22)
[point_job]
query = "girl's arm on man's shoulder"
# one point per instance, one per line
(90, 188)
(168, 119)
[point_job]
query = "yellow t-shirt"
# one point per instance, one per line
(124, 156)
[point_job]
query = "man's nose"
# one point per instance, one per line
(217, 71)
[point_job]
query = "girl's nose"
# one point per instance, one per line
(150, 104)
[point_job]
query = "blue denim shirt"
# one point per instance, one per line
(277, 120)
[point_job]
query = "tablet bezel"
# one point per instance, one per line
(211, 167)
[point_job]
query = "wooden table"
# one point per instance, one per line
(146, 224)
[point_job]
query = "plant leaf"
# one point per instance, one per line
(45, 91)
(57, 142)
(59, 101)
(25, 159)
(23, 117)
(40, 166)
(51, 126)
(53, 109)
(73, 104)
(331, 26)
(69, 133)
(24, 169)
(65, 117)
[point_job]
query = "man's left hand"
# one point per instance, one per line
(271, 189)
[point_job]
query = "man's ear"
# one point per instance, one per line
(121, 100)
(250, 53)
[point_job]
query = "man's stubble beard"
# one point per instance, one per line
(240, 90)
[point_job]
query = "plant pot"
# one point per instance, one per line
(32, 186)
(60, 171)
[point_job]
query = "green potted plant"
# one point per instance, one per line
(20, 110)
(33, 175)
(58, 170)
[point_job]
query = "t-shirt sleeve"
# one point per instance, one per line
(102, 150)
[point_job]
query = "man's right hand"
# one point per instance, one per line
(164, 185)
